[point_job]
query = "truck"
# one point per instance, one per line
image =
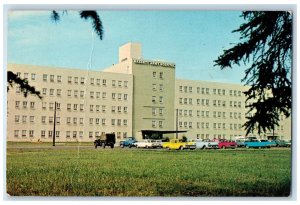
(105, 140)
(129, 142)
(206, 144)
(178, 144)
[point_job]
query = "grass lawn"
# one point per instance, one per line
(133, 172)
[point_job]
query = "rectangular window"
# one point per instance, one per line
(81, 134)
(103, 95)
(119, 83)
(31, 118)
(24, 104)
(43, 133)
(160, 111)
(113, 96)
(57, 120)
(98, 81)
(113, 83)
(57, 133)
(51, 106)
(91, 121)
(74, 134)
(32, 105)
(160, 123)
(81, 107)
(74, 120)
(119, 122)
(90, 134)
(103, 108)
(58, 79)
(125, 84)
(69, 107)
(58, 92)
(161, 99)
(82, 80)
(45, 77)
(81, 94)
(92, 94)
(125, 109)
(69, 93)
(161, 75)
(113, 121)
(68, 134)
(97, 95)
(119, 109)
(154, 74)
(23, 133)
(17, 118)
(125, 96)
(43, 119)
(17, 104)
(50, 133)
(51, 92)
(52, 78)
(153, 123)
(125, 122)
(31, 133)
(103, 121)
(92, 81)
(97, 108)
(97, 121)
(91, 108)
(51, 120)
(75, 93)
(75, 106)
(104, 82)
(16, 133)
(119, 96)
(81, 121)
(76, 80)
(113, 109)
(154, 99)
(44, 91)
(69, 79)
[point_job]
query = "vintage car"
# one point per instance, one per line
(156, 144)
(225, 144)
(129, 142)
(179, 144)
(143, 144)
(206, 144)
(255, 143)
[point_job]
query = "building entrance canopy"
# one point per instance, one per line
(158, 134)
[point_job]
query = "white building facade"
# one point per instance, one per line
(135, 97)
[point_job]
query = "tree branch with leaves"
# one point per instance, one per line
(265, 44)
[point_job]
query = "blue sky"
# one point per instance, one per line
(191, 39)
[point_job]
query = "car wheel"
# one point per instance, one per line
(223, 147)
(181, 147)
(247, 147)
(122, 146)
(95, 146)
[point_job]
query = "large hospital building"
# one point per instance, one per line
(135, 97)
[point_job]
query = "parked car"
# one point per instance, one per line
(105, 140)
(240, 141)
(282, 143)
(129, 142)
(156, 144)
(143, 144)
(206, 144)
(255, 143)
(178, 144)
(225, 144)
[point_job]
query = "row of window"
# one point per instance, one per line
(160, 111)
(206, 125)
(74, 134)
(205, 114)
(155, 75)
(205, 102)
(161, 87)
(206, 91)
(75, 80)
(75, 120)
(157, 124)
(25, 104)
(160, 98)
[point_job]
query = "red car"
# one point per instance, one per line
(225, 144)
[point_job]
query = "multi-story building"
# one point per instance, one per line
(135, 97)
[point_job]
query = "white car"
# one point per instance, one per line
(143, 144)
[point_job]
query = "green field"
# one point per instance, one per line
(132, 172)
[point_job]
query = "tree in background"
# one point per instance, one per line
(265, 44)
(25, 88)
